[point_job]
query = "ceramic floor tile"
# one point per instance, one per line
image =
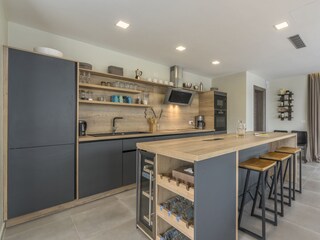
(124, 231)
(304, 216)
(309, 198)
(59, 230)
(102, 218)
(312, 185)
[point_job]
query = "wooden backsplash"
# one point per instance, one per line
(99, 117)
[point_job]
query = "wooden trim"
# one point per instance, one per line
(237, 193)
(114, 103)
(115, 89)
(5, 132)
(77, 133)
(45, 212)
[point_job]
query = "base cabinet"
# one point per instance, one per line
(100, 167)
(129, 168)
(40, 178)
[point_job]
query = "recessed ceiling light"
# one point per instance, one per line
(216, 62)
(122, 24)
(281, 25)
(181, 48)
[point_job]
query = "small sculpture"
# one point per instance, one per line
(138, 74)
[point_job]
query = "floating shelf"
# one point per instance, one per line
(114, 103)
(94, 86)
(113, 76)
(179, 188)
(176, 222)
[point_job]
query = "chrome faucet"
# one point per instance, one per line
(114, 128)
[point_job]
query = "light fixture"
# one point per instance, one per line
(122, 24)
(181, 48)
(281, 25)
(215, 62)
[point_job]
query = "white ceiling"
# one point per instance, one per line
(238, 33)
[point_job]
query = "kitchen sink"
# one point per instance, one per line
(115, 134)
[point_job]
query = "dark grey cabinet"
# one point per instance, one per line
(100, 167)
(39, 178)
(42, 100)
(41, 131)
(129, 167)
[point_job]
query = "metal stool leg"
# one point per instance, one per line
(281, 190)
(300, 173)
(275, 180)
(256, 195)
(263, 188)
(244, 197)
(290, 179)
(294, 159)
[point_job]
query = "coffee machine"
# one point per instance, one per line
(82, 128)
(199, 122)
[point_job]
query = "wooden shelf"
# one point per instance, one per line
(114, 103)
(94, 86)
(172, 185)
(175, 222)
(113, 76)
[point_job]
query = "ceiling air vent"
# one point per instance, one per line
(297, 41)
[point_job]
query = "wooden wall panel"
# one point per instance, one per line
(99, 117)
(206, 108)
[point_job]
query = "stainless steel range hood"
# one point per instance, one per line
(177, 95)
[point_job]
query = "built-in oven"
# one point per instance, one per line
(220, 100)
(145, 193)
(220, 120)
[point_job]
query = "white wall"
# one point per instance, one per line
(298, 85)
(252, 80)
(235, 87)
(27, 38)
(3, 41)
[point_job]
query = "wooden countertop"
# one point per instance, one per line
(200, 148)
(159, 133)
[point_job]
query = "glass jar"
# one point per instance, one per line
(241, 129)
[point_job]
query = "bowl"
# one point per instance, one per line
(48, 51)
(195, 87)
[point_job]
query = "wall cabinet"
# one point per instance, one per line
(100, 167)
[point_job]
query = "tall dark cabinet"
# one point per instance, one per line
(41, 131)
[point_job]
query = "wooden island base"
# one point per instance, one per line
(217, 178)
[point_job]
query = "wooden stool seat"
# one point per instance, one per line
(276, 156)
(257, 164)
(290, 150)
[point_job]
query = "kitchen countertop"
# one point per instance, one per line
(204, 147)
(159, 133)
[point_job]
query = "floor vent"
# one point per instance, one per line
(297, 41)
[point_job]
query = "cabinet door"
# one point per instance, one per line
(40, 178)
(129, 168)
(42, 100)
(100, 167)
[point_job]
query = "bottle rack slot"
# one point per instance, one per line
(176, 186)
(187, 228)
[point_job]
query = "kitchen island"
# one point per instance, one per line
(217, 181)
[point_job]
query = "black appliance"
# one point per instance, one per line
(199, 122)
(82, 127)
(220, 112)
(178, 96)
(145, 193)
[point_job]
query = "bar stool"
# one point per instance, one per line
(279, 158)
(262, 167)
(293, 151)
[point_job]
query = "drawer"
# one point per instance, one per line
(130, 144)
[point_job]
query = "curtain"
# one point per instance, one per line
(313, 152)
